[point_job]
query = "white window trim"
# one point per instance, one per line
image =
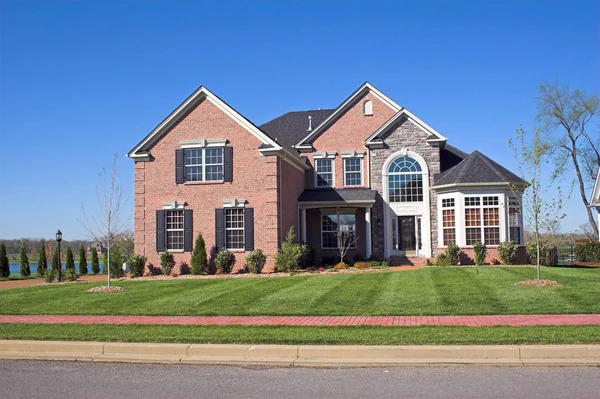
(174, 205)
(519, 207)
(337, 214)
(389, 174)
(204, 164)
(442, 209)
(203, 143)
(234, 203)
(167, 230)
(243, 229)
(332, 158)
(482, 227)
(362, 175)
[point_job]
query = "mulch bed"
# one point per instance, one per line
(105, 288)
(539, 283)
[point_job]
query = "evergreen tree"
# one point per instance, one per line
(105, 264)
(95, 261)
(4, 265)
(42, 261)
(55, 262)
(70, 263)
(83, 269)
(25, 270)
(199, 261)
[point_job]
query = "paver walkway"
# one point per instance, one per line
(472, 321)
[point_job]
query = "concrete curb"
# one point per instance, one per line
(305, 355)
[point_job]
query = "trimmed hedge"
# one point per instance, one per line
(587, 252)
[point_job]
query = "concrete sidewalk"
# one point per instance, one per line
(305, 355)
(471, 321)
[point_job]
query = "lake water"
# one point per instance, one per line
(15, 268)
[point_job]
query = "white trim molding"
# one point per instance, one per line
(435, 139)
(324, 154)
(203, 143)
(174, 205)
(234, 203)
(353, 154)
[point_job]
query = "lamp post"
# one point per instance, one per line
(58, 240)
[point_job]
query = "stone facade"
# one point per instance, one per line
(403, 135)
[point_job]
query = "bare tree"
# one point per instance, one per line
(570, 112)
(543, 216)
(109, 226)
(346, 238)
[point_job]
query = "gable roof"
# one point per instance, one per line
(141, 149)
(347, 195)
(477, 169)
(451, 156)
(287, 129)
(347, 103)
(434, 136)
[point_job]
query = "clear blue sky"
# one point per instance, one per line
(80, 81)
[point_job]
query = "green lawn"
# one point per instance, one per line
(360, 335)
(15, 276)
(428, 291)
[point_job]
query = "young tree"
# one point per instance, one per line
(542, 215)
(25, 269)
(42, 261)
(83, 269)
(4, 265)
(109, 226)
(95, 261)
(69, 261)
(570, 111)
(199, 260)
(346, 238)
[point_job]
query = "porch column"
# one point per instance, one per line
(367, 232)
(303, 224)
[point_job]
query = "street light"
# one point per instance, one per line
(58, 240)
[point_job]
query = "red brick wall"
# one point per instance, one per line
(254, 179)
(291, 185)
(348, 134)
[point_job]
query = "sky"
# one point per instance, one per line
(83, 80)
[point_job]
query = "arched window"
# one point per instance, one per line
(405, 180)
(368, 107)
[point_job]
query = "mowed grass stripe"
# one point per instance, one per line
(428, 291)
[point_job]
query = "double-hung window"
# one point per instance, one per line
(353, 171)
(203, 164)
(514, 220)
(482, 220)
(234, 228)
(337, 230)
(174, 229)
(448, 221)
(324, 171)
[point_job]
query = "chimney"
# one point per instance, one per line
(309, 123)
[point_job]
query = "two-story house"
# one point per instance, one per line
(368, 169)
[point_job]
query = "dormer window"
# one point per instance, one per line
(368, 107)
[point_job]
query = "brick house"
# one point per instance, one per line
(368, 169)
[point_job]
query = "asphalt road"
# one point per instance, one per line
(37, 379)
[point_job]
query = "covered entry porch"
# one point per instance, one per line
(333, 218)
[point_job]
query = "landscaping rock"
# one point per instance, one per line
(539, 283)
(105, 288)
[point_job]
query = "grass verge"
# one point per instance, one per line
(356, 335)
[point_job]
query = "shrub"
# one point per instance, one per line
(340, 266)
(137, 263)
(358, 258)
(116, 263)
(42, 261)
(375, 263)
(329, 261)
(507, 251)
(532, 254)
(256, 261)
(95, 261)
(199, 260)
(362, 265)
(480, 253)
(25, 269)
(83, 269)
(55, 262)
(306, 256)
(49, 276)
(70, 274)
(587, 252)
(442, 260)
(184, 268)
(167, 262)
(242, 270)
(452, 254)
(385, 265)
(288, 256)
(69, 262)
(225, 260)
(429, 262)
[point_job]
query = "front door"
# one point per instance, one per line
(407, 237)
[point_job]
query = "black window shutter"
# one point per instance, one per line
(249, 229)
(220, 228)
(160, 231)
(179, 166)
(187, 230)
(228, 164)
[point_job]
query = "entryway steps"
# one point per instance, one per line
(471, 321)
(407, 261)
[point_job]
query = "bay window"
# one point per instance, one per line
(482, 220)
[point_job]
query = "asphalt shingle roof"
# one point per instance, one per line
(477, 168)
(337, 195)
(290, 128)
(451, 156)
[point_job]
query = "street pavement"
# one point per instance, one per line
(46, 379)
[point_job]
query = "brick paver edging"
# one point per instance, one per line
(471, 321)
